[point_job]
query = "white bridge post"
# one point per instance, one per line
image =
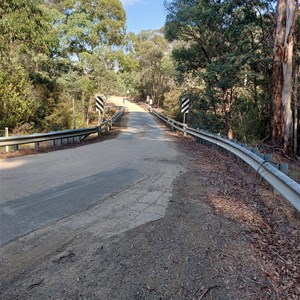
(6, 135)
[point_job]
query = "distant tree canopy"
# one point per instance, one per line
(155, 73)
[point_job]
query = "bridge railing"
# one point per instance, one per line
(58, 137)
(282, 183)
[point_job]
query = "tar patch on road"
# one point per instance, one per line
(20, 216)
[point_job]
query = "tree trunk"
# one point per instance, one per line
(287, 124)
(295, 98)
(227, 111)
(296, 115)
(213, 101)
(277, 74)
(281, 80)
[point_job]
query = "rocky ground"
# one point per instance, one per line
(225, 235)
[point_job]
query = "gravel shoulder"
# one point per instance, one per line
(224, 235)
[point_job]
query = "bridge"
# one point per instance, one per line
(143, 215)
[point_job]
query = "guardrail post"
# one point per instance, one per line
(184, 129)
(99, 130)
(171, 125)
(16, 148)
(268, 157)
(255, 150)
(284, 168)
(36, 145)
(6, 135)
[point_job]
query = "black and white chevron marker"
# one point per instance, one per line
(185, 104)
(100, 104)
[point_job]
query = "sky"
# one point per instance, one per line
(144, 14)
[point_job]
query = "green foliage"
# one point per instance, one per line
(155, 75)
(26, 39)
(249, 122)
(125, 82)
(54, 51)
(88, 24)
(61, 117)
(208, 121)
(17, 106)
(223, 52)
(171, 103)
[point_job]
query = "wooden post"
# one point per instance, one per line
(184, 129)
(99, 118)
(6, 135)
(74, 113)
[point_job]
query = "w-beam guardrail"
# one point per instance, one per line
(58, 137)
(282, 183)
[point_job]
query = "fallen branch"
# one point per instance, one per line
(207, 290)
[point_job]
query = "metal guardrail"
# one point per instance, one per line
(282, 183)
(58, 136)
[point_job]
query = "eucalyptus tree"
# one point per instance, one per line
(156, 69)
(282, 74)
(89, 34)
(26, 34)
(43, 43)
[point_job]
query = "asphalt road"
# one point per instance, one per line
(116, 184)
(77, 223)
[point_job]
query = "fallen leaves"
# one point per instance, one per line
(269, 221)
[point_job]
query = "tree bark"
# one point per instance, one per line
(227, 97)
(295, 94)
(295, 98)
(277, 74)
(287, 122)
(282, 71)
